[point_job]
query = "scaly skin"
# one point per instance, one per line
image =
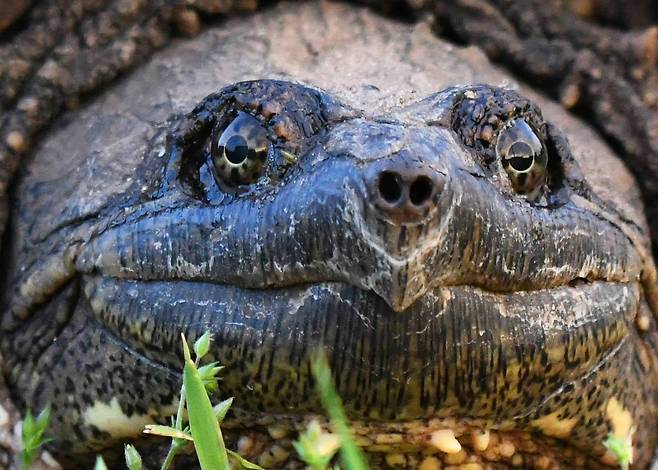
(466, 307)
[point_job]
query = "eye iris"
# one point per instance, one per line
(236, 149)
(523, 157)
(239, 150)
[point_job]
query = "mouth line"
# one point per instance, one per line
(576, 285)
(128, 275)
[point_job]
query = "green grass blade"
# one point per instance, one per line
(204, 427)
(221, 408)
(244, 463)
(622, 449)
(100, 463)
(315, 447)
(166, 431)
(32, 435)
(351, 455)
(132, 457)
(202, 345)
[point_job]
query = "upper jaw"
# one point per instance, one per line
(474, 236)
(323, 224)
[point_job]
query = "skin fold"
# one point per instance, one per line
(384, 225)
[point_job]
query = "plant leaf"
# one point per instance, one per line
(43, 420)
(622, 449)
(32, 432)
(202, 345)
(208, 374)
(221, 408)
(166, 431)
(133, 459)
(315, 447)
(100, 463)
(350, 454)
(204, 427)
(244, 463)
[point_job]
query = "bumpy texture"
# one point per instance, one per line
(77, 269)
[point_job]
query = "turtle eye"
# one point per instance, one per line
(239, 150)
(523, 157)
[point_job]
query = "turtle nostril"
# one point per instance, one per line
(420, 190)
(403, 191)
(389, 186)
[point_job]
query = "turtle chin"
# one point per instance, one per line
(509, 361)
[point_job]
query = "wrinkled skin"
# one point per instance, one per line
(463, 304)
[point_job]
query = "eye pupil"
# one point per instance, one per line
(236, 149)
(520, 163)
(520, 156)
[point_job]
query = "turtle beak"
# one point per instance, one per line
(407, 284)
(404, 195)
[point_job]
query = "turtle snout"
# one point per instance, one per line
(404, 189)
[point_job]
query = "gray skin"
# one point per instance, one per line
(383, 228)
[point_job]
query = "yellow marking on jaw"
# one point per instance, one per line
(552, 425)
(555, 354)
(110, 417)
(621, 422)
(620, 419)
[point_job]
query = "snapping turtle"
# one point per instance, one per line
(474, 260)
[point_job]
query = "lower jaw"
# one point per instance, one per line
(460, 351)
(457, 351)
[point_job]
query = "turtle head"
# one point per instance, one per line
(449, 255)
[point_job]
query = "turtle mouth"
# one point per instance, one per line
(457, 351)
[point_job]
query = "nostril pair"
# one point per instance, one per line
(391, 187)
